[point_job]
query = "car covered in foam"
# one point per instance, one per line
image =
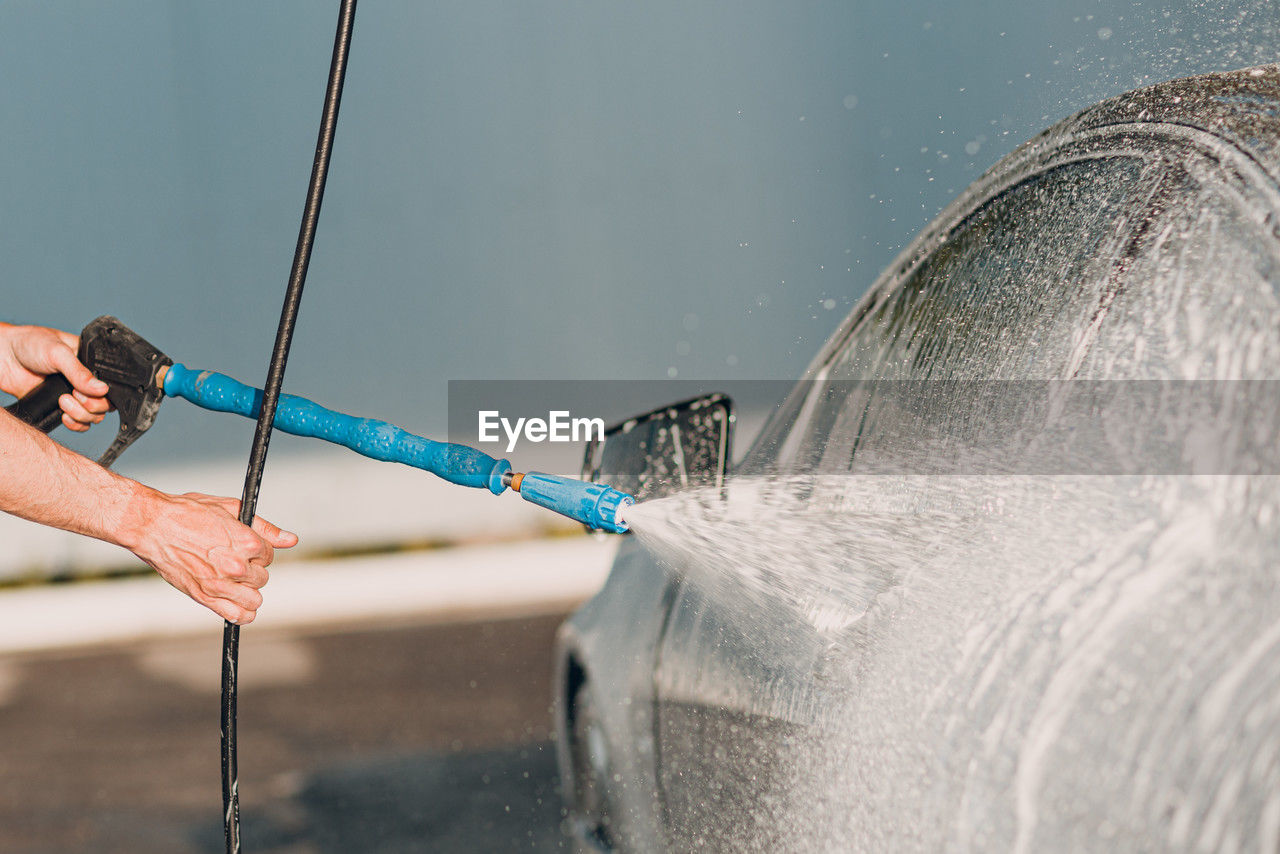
(1031, 655)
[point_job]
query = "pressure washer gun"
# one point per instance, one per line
(139, 376)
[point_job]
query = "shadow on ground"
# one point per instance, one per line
(498, 800)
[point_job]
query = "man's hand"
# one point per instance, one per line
(197, 544)
(28, 354)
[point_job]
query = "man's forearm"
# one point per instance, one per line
(44, 482)
(195, 542)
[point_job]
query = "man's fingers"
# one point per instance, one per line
(262, 552)
(64, 359)
(77, 410)
(227, 609)
(241, 595)
(96, 405)
(274, 535)
(256, 576)
(72, 424)
(230, 611)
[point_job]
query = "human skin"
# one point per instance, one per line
(195, 542)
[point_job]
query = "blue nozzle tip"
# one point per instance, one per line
(593, 504)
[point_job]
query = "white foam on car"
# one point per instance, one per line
(992, 657)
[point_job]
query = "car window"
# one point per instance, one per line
(1099, 269)
(1199, 303)
(976, 308)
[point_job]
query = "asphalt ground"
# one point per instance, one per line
(382, 737)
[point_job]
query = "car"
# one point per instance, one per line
(907, 623)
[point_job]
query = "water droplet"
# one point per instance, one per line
(850, 101)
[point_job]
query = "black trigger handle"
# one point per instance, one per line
(126, 362)
(40, 406)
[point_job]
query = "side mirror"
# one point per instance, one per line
(682, 446)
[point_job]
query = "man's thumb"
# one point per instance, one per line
(278, 537)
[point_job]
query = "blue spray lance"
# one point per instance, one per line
(138, 377)
(593, 504)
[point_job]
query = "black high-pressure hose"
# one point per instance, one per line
(271, 396)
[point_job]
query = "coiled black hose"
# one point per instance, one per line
(271, 396)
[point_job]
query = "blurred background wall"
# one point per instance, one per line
(531, 190)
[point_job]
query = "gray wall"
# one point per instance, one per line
(530, 190)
